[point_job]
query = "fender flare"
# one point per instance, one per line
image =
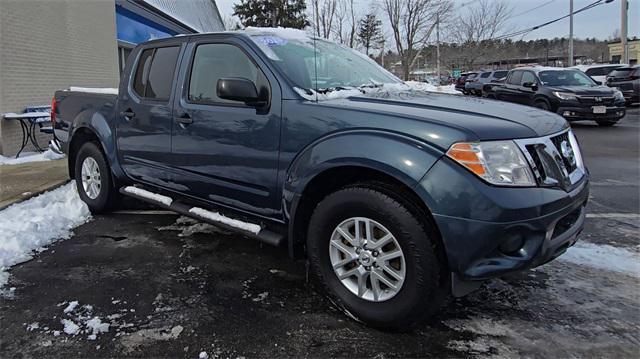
(98, 124)
(404, 158)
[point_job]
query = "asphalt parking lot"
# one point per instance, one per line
(171, 287)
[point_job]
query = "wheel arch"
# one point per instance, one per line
(334, 178)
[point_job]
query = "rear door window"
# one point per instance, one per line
(154, 73)
(621, 73)
(514, 78)
(500, 74)
(142, 72)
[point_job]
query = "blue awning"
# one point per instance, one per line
(133, 28)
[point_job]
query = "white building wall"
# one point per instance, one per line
(47, 45)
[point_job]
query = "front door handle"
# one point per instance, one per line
(128, 114)
(185, 119)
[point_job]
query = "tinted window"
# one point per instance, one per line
(140, 79)
(500, 74)
(161, 72)
(485, 75)
(625, 72)
(215, 61)
(565, 78)
(528, 77)
(514, 78)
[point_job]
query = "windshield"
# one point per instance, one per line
(337, 66)
(565, 78)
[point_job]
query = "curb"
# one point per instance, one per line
(38, 191)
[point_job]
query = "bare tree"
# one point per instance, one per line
(412, 22)
(477, 27)
(324, 12)
(346, 24)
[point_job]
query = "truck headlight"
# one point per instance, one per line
(617, 94)
(497, 162)
(564, 95)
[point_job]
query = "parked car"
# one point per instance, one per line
(462, 80)
(627, 80)
(474, 86)
(488, 88)
(567, 92)
(598, 72)
(396, 197)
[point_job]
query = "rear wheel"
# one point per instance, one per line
(375, 259)
(93, 179)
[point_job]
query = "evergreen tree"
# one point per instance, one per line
(272, 13)
(370, 32)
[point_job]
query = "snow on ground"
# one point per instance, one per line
(106, 91)
(29, 226)
(605, 257)
(27, 157)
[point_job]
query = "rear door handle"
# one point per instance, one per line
(185, 119)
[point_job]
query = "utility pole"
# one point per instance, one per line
(438, 46)
(570, 32)
(624, 59)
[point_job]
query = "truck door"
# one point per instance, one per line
(509, 90)
(226, 151)
(526, 93)
(144, 118)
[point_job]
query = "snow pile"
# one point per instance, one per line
(104, 91)
(217, 217)
(379, 89)
(149, 195)
(282, 32)
(33, 224)
(82, 321)
(424, 86)
(27, 157)
(604, 257)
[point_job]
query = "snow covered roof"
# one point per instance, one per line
(200, 15)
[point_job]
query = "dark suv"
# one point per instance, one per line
(474, 86)
(567, 92)
(463, 79)
(627, 80)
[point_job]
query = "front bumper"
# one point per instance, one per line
(586, 113)
(490, 231)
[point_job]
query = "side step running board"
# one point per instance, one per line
(248, 229)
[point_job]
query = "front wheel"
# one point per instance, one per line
(376, 260)
(93, 179)
(543, 105)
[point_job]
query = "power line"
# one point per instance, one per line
(532, 9)
(527, 30)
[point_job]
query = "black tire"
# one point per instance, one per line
(606, 123)
(543, 105)
(108, 196)
(422, 294)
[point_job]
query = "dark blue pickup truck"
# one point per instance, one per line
(397, 198)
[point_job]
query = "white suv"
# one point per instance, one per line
(598, 72)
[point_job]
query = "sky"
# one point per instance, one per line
(599, 22)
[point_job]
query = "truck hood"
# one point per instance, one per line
(584, 90)
(480, 119)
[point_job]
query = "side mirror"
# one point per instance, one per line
(239, 89)
(531, 85)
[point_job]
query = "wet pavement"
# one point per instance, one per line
(171, 287)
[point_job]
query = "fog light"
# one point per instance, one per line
(512, 245)
(567, 113)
